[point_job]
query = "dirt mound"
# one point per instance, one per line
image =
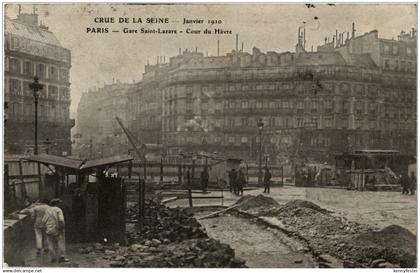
(250, 201)
(391, 236)
(303, 204)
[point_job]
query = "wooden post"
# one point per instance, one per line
(23, 192)
(141, 202)
(179, 173)
(161, 169)
(7, 199)
(282, 175)
(130, 169)
(189, 189)
(192, 173)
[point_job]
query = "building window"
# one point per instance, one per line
(328, 122)
(204, 108)
(285, 104)
(244, 140)
(259, 104)
(14, 65)
(344, 123)
(231, 139)
(386, 64)
(395, 50)
(231, 122)
(314, 106)
(358, 123)
(52, 92)
(409, 51)
(386, 49)
(52, 73)
(15, 87)
(271, 122)
(244, 104)
(328, 106)
(41, 71)
(372, 124)
(244, 121)
(217, 139)
(28, 68)
(299, 122)
(189, 107)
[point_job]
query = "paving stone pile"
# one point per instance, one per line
(169, 238)
(165, 224)
(332, 238)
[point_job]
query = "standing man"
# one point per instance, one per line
(37, 212)
(267, 178)
(413, 183)
(241, 182)
(204, 179)
(232, 179)
(54, 229)
(404, 183)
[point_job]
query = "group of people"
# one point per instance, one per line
(49, 227)
(408, 183)
(237, 182)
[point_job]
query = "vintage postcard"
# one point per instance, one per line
(219, 135)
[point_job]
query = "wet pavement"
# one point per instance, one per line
(257, 245)
(377, 209)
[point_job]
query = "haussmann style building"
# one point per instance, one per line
(32, 50)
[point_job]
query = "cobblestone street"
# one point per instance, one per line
(377, 209)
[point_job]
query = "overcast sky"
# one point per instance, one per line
(98, 58)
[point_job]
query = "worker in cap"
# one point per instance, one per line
(54, 228)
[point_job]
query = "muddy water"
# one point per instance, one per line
(259, 246)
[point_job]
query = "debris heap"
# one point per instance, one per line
(355, 245)
(169, 238)
(165, 224)
(259, 204)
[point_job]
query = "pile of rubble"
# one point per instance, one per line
(153, 254)
(165, 224)
(170, 237)
(257, 205)
(352, 244)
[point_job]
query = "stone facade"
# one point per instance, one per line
(32, 50)
(314, 105)
(98, 133)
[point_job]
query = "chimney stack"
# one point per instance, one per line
(353, 31)
(179, 51)
(242, 48)
(237, 40)
(304, 35)
(157, 59)
(218, 48)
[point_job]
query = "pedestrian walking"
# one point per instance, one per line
(241, 182)
(54, 223)
(413, 183)
(404, 183)
(232, 179)
(204, 179)
(267, 178)
(37, 212)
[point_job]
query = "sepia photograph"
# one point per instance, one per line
(209, 135)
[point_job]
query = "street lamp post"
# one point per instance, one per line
(36, 87)
(260, 125)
